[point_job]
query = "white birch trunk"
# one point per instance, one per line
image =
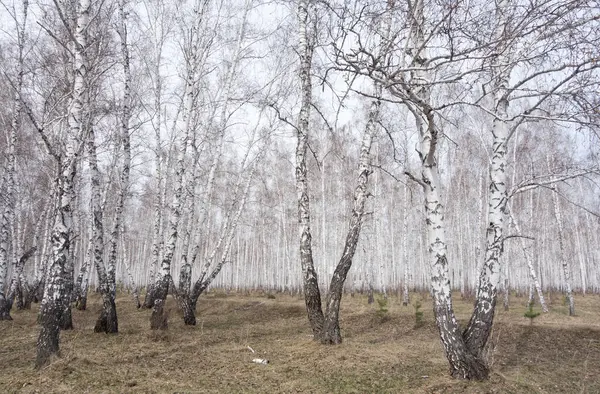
(566, 268)
(532, 273)
(331, 330)
(126, 146)
(480, 325)
(191, 90)
(405, 288)
(7, 212)
(107, 322)
(463, 364)
(312, 294)
(229, 80)
(57, 295)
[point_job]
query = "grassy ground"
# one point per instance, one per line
(382, 351)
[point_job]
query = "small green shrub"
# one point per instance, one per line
(418, 315)
(530, 313)
(382, 312)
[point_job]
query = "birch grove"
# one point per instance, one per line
(315, 148)
(8, 177)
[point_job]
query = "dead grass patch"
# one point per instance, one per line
(556, 353)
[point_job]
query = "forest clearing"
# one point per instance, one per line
(382, 351)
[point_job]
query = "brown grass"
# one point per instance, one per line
(381, 352)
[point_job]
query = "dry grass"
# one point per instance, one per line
(556, 353)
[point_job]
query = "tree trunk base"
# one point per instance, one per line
(47, 343)
(370, 297)
(107, 321)
(150, 297)
(66, 319)
(331, 335)
(470, 368)
(5, 309)
(159, 318)
(189, 311)
(25, 298)
(81, 302)
(136, 298)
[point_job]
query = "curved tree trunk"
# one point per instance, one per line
(463, 364)
(331, 329)
(22, 288)
(480, 325)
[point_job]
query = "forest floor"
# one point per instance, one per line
(383, 352)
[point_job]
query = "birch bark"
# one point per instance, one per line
(312, 294)
(125, 145)
(57, 297)
(530, 267)
(191, 90)
(463, 364)
(7, 213)
(107, 321)
(331, 329)
(234, 213)
(479, 328)
(159, 201)
(566, 268)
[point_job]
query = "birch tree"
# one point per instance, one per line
(410, 76)
(325, 324)
(107, 322)
(160, 24)
(8, 181)
(312, 294)
(190, 94)
(516, 38)
(56, 301)
(124, 142)
(566, 268)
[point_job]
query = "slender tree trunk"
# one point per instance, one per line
(405, 293)
(107, 321)
(532, 273)
(191, 90)
(227, 234)
(561, 243)
(160, 169)
(331, 329)
(480, 325)
(126, 146)
(22, 287)
(7, 213)
(312, 294)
